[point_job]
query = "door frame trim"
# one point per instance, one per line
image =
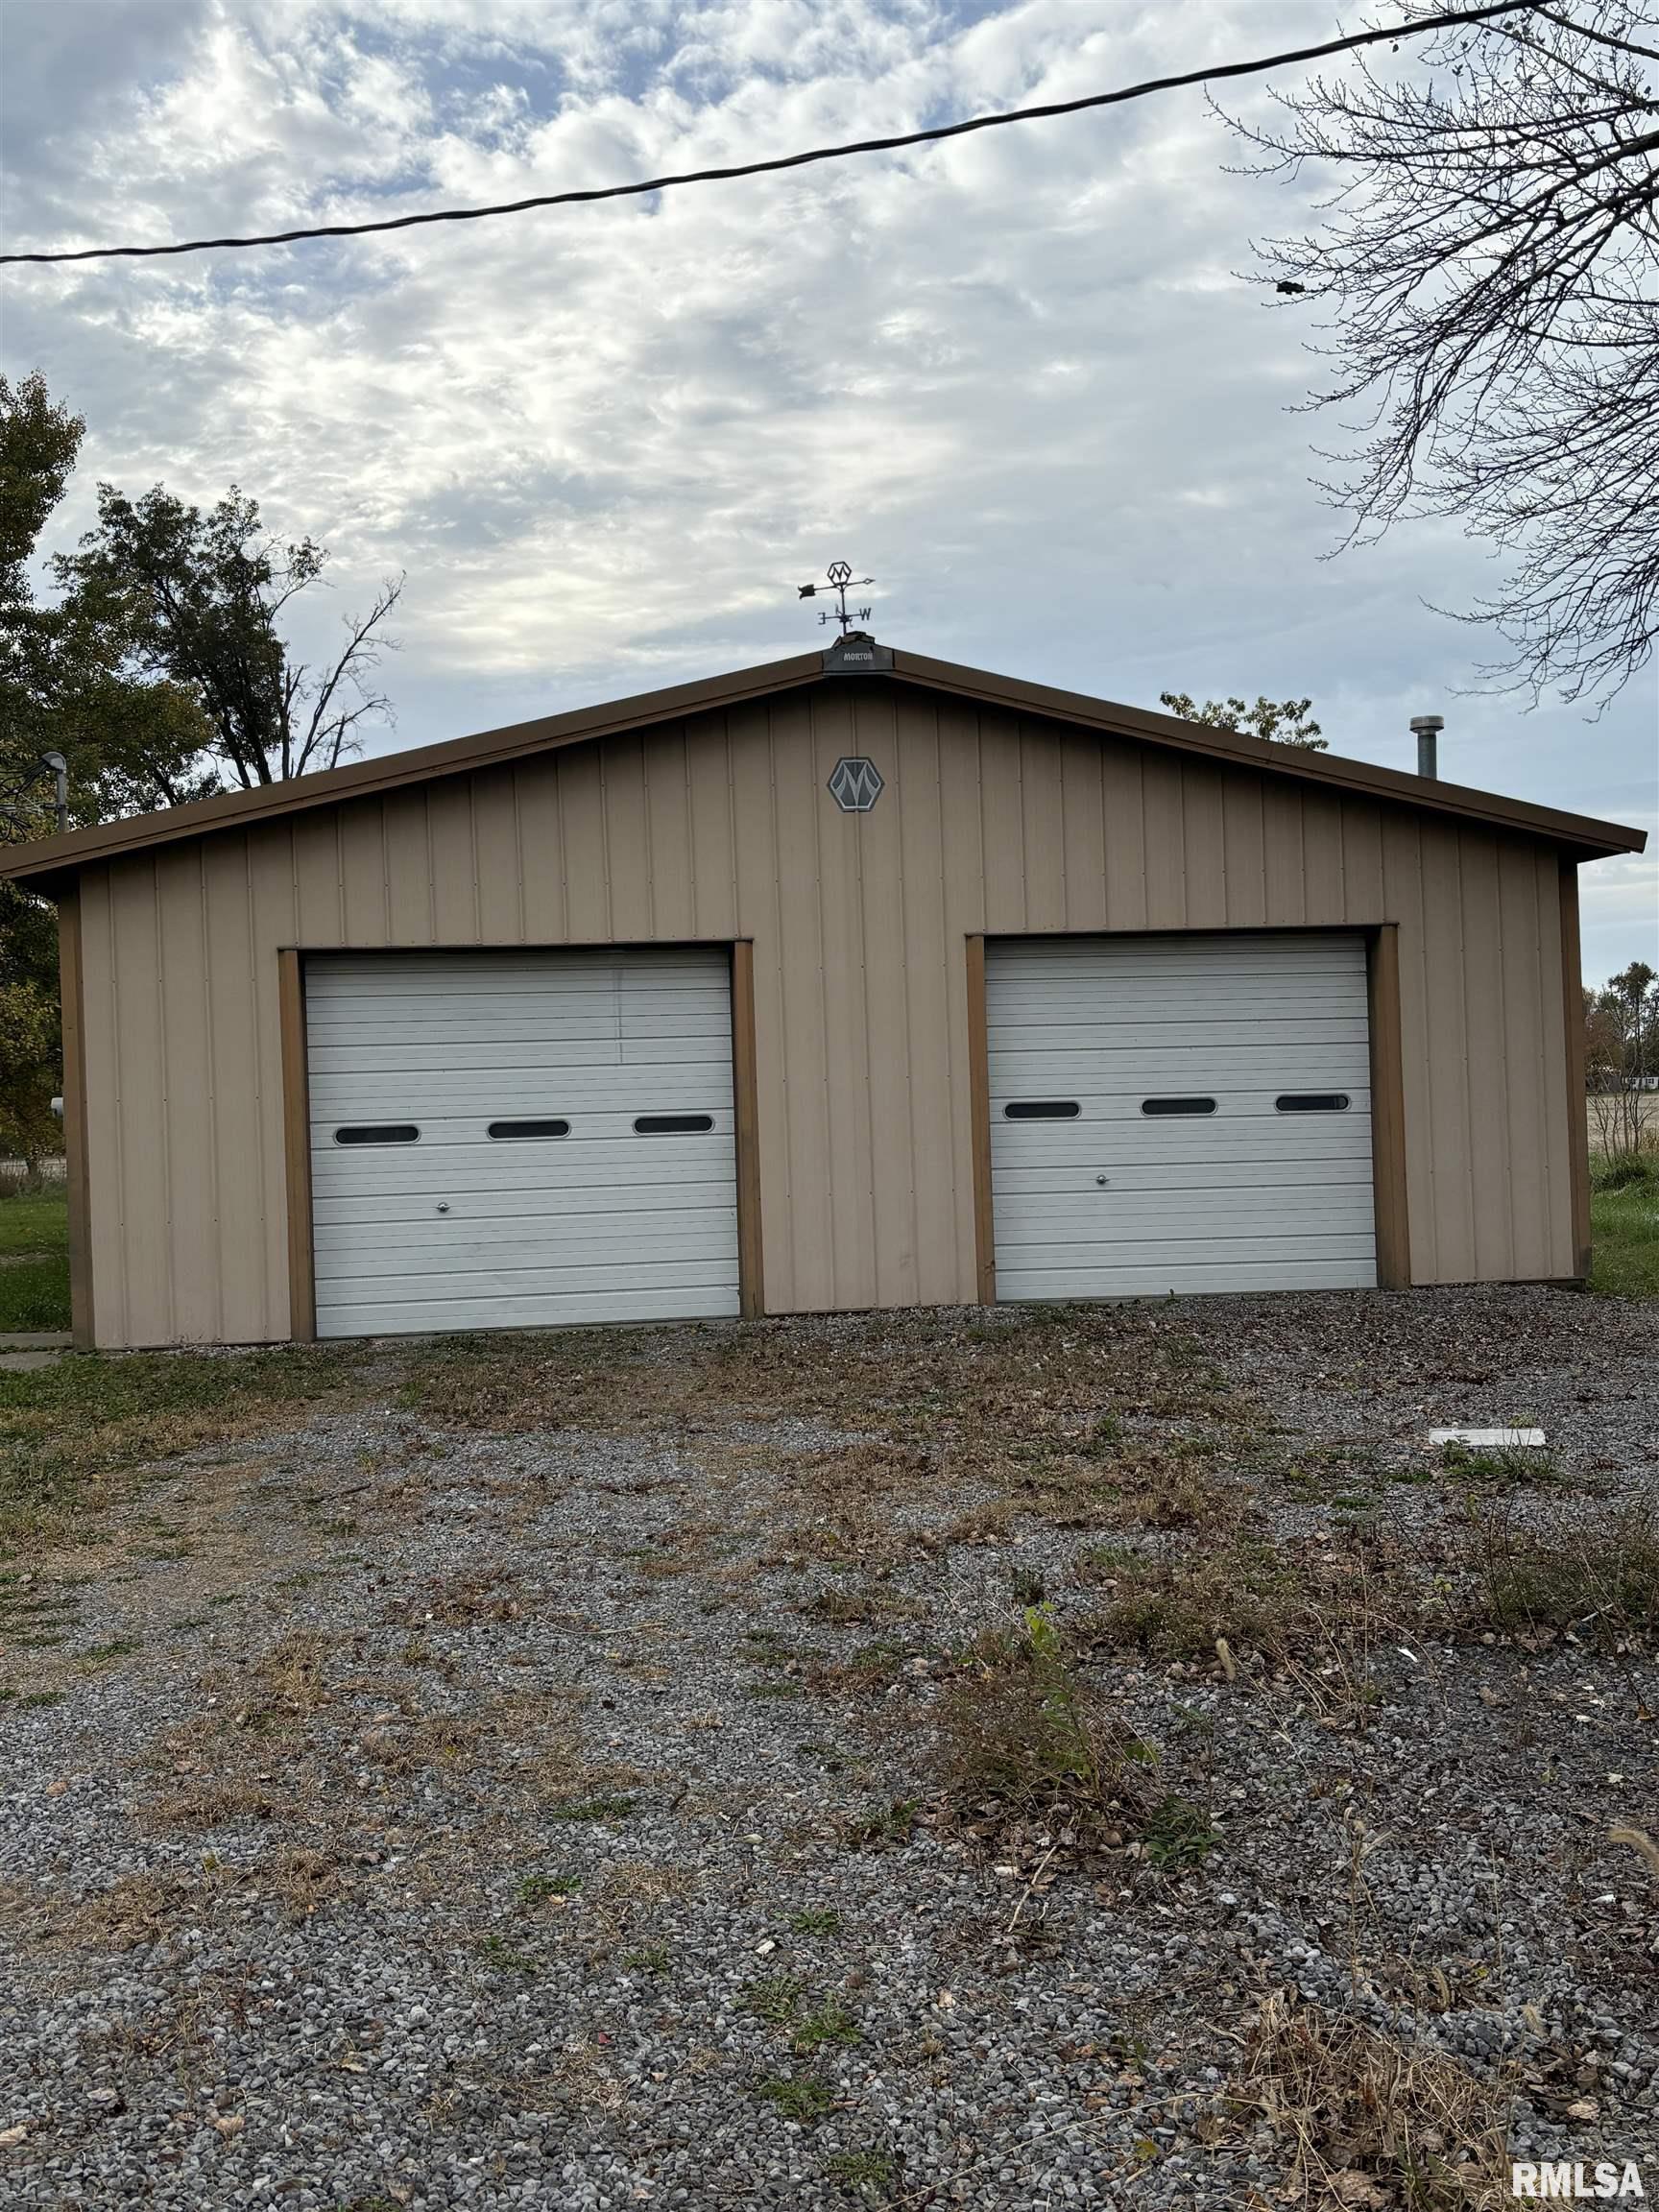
(746, 1127)
(1389, 1191)
(76, 1144)
(297, 1147)
(979, 1112)
(1578, 1084)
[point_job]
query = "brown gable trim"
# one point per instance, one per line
(1335, 770)
(57, 856)
(420, 765)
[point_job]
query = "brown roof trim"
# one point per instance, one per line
(58, 857)
(1333, 769)
(421, 764)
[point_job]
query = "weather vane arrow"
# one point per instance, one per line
(840, 580)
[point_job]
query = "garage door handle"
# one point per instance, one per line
(443, 1206)
(1101, 1180)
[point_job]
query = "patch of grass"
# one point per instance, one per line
(798, 2096)
(1505, 1467)
(1176, 1835)
(831, 2022)
(871, 2176)
(1021, 1732)
(536, 1888)
(1105, 1434)
(815, 1922)
(1625, 1232)
(889, 1823)
(1600, 1579)
(1174, 1606)
(66, 1432)
(777, 1998)
(500, 1954)
(652, 1960)
(594, 1809)
(35, 1221)
(1027, 1584)
(34, 1291)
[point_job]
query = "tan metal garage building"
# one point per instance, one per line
(857, 980)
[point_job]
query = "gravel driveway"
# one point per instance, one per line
(577, 1771)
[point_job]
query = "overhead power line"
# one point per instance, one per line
(1414, 29)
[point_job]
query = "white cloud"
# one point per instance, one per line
(1013, 375)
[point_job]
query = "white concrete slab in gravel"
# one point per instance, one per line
(1490, 1439)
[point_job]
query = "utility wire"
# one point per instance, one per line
(1408, 30)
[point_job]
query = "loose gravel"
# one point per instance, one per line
(430, 1812)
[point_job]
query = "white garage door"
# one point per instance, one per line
(500, 1139)
(1179, 1113)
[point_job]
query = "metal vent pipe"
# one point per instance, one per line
(1427, 728)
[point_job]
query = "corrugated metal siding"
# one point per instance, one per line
(722, 827)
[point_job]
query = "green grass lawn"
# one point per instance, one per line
(35, 1260)
(1624, 1231)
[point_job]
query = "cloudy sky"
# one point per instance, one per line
(1016, 379)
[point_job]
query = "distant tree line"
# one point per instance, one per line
(1621, 1062)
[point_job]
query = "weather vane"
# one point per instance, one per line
(841, 580)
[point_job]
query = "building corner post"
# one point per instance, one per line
(1577, 1089)
(72, 988)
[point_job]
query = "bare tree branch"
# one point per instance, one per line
(1487, 264)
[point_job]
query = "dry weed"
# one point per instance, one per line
(1369, 2121)
(461, 1600)
(1598, 1580)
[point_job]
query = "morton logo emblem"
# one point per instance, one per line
(855, 786)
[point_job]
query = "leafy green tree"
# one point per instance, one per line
(1285, 722)
(62, 687)
(191, 603)
(39, 442)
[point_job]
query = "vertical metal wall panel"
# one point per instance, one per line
(932, 955)
(844, 992)
(989, 822)
(1082, 832)
(1526, 1128)
(1123, 812)
(1204, 846)
(495, 832)
(193, 1261)
(409, 877)
(1564, 1135)
(1163, 857)
(237, 1260)
(252, 1099)
(1244, 850)
(364, 861)
(888, 1036)
(1484, 1045)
